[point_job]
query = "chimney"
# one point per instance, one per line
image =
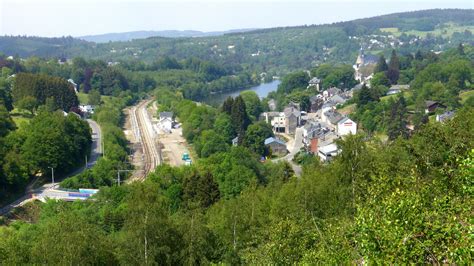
(314, 145)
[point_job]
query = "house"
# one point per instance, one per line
(313, 133)
(235, 141)
(327, 106)
(316, 103)
(432, 106)
(272, 105)
(332, 117)
(315, 83)
(337, 99)
(395, 89)
(326, 153)
(277, 146)
(86, 109)
(166, 121)
(276, 119)
(445, 116)
(292, 116)
(346, 126)
(331, 92)
(71, 81)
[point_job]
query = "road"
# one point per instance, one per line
(144, 132)
(44, 190)
(294, 147)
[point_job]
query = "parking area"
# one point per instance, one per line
(174, 146)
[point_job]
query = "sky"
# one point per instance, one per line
(50, 18)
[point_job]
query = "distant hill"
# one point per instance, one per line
(132, 35)
(274, 51)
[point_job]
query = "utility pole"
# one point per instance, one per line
(52, 174)
(85, 168)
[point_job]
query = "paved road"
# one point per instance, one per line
(30, 193)
(294, 148)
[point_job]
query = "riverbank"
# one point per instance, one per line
(262, 91)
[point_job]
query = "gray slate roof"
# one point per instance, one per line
(291, 110)
(334, 91)
(333, 116)
(315, 80)
(166, 115)
(400, 87)
(272, 139)
(337, 99)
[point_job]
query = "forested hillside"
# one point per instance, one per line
(278, 50)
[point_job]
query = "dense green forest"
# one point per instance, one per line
(397, 202)
(273, 51)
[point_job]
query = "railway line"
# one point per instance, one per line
(146, 135)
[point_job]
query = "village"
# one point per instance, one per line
(315, 132)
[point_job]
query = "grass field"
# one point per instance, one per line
(406, 94)
(445, 30)
(466, 94)
(349, 109)
(20, 117)
(83, 99)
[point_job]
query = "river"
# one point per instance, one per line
(262, 91)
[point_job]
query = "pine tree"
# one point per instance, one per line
(364, 96)
(393, 72)
(397, 125)
(240, 118)
(227, 105)
(418, 55)
(381, 65)
(461, 49)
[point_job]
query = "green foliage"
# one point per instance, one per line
(293, 81)
(53, 140)
(341, 76)
(224, 127)
(381, 65)
(393, 71)
(252, 104)
(6, 123)
(5, 94)
(240, 117)
(40, 87)
(28, 103)
(200, 191)
(255, 137)
(397, 124)
(209, 143)
(379, 79)
(233, 171)
(93, 98)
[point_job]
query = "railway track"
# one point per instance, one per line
(145, 134)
